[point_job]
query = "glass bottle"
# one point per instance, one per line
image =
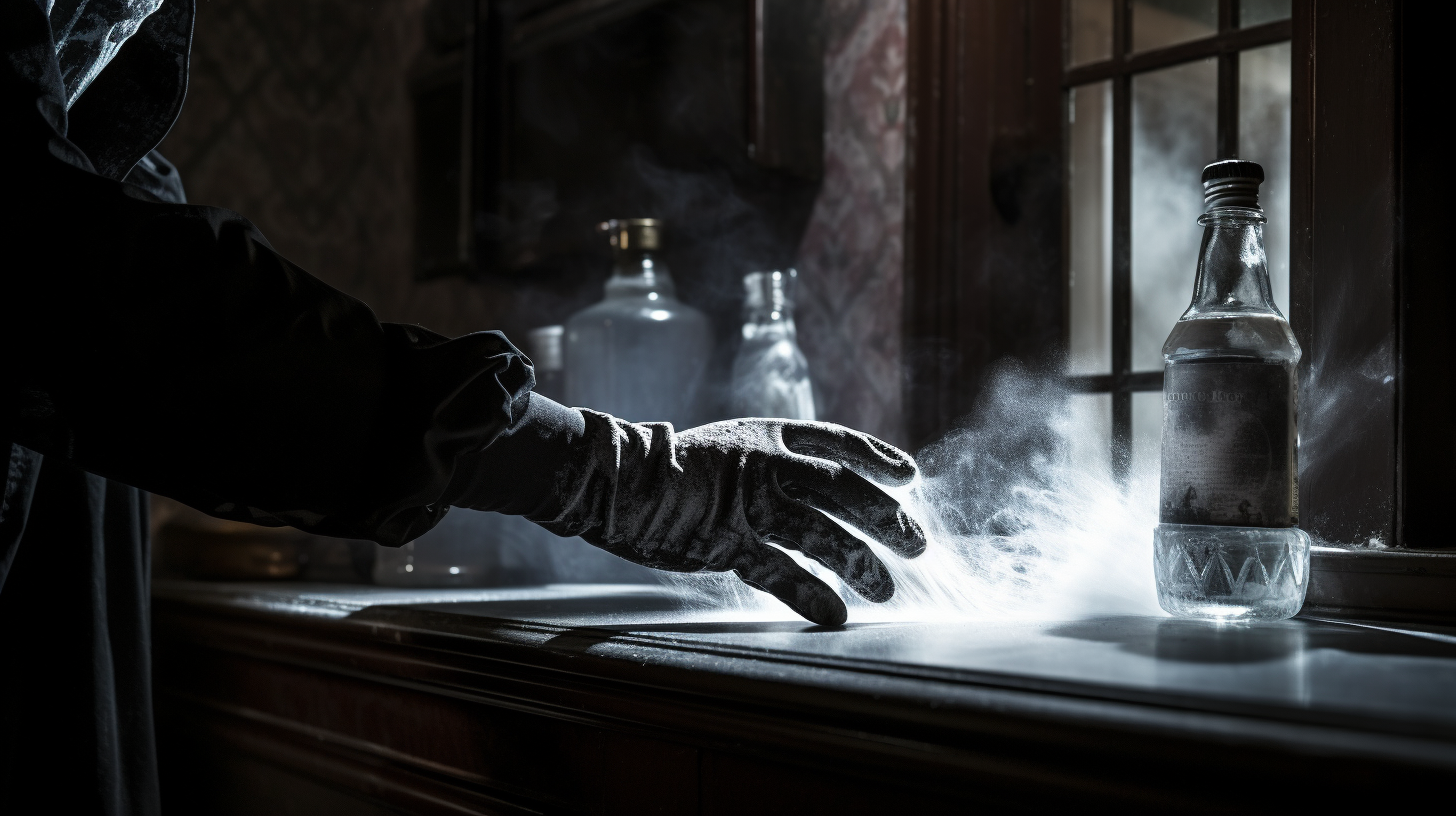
(641, 353)
(545, 347)
(1227, 546)
(770, 374)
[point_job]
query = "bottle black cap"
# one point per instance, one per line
(1232, 183)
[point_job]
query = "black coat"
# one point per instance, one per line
(147, 343)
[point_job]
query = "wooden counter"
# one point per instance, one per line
(291, 698)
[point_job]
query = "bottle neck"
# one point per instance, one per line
(638, 274)
(764, 324)
(768, 310)
(1233, 271)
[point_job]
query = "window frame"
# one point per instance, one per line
(1369, 263)
(1226, 45)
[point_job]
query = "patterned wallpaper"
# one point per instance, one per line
(299, 117)
(850, 261)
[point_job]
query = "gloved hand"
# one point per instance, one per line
(709, 498)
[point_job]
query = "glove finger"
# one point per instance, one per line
(860, 452)
(808, 531)
(846, 495)
(771, 570)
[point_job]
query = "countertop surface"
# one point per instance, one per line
(1370, 677)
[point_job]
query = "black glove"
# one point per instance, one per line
(709, 498)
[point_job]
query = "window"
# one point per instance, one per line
(1334, 100)
(1156, 89)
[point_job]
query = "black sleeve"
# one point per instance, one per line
(169, 347)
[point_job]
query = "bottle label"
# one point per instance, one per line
(1229, 445)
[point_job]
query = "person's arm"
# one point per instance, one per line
(169, 347)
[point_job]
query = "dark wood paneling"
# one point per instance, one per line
(407, 747)
(1347, 326)
(983, 206)
(1301, 175)
(785, 110)
(1427, 397)
(556, 21)
(1121, 244)
(425, 710)
(485, 167)
(1228, 83)
(779, 788)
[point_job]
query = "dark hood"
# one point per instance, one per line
(88, 33)
(122, 68)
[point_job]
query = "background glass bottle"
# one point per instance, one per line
(770, 374)
(641, 353)
(1227, 545)
(545, 345)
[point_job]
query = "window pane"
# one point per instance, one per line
(1147, 441)
(1090, 418)
(1089, 31)
(1159, 23)
(1174, 115)
(1258, 12)
(1089, 194)
(1264, 130)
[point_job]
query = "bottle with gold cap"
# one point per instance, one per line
(640, 354)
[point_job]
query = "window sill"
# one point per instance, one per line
(1407, 585)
